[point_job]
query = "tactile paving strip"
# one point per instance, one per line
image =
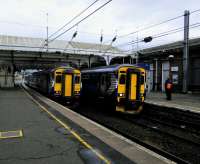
(11, 134)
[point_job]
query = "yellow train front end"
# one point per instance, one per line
(130, 91)
(71, 82)
(57, 79)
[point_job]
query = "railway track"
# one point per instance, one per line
(182, 126)
(169, 141)
(184, 120)
(167, 129)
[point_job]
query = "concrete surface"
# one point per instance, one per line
(180, 101)
(45, 141)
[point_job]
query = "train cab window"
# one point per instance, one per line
(122, 79)
(77, 79)
(142, 80)
(58, 79)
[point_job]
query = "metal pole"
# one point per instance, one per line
(137, 55)
(156, 77)
(47, 44)
(186, 51)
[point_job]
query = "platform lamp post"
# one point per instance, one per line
(170, 58)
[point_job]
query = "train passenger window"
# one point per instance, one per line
(77, 79)
(58, 79)
(122, 79)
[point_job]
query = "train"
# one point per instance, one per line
(120, 87)
(59, 83)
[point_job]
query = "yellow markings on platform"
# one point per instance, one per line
(78, 137)
(11, 134)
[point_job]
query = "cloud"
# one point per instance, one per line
(123, 16)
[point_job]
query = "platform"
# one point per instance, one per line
(187, 102)
(54, 134)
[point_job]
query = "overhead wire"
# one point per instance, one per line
(194, 11)
(195, 25)
(151, 26)
(80, 21)
(155, 36)
(154, 25)
(73, 18)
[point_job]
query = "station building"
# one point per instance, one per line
(161, 65)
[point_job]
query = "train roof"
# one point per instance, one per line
(62, 67)
(52, 70)
(69, 70)
(41, 72)
(110, 68)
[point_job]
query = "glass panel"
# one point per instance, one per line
(122, 79)
(77, 79)
(58, 79)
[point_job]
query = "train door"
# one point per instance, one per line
(77, 83)
(68, 85)
(57, 85)
(132, 87)
(121, 90)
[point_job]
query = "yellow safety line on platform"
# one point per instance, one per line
(78, 137)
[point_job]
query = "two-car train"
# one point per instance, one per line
(121, 87)
(61, 82)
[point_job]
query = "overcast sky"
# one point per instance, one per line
(28, 18)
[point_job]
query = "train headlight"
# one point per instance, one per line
(121, 94)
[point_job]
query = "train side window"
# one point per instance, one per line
(77, 79)
(122, 79)
(58, 79)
